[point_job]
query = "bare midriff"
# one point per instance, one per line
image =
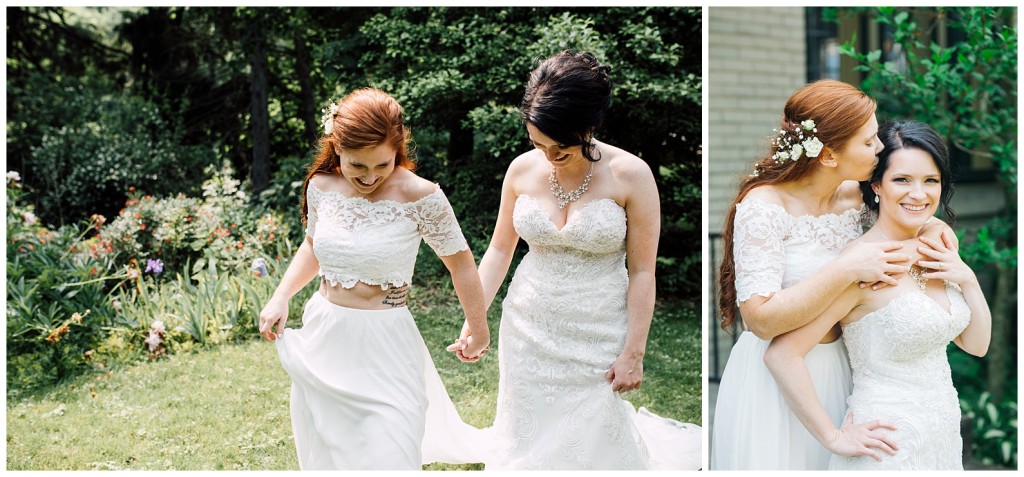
(364, 296)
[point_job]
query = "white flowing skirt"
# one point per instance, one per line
(754, 428)
(365, 393)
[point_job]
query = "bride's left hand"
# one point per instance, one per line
(943, 261)
(627, 373)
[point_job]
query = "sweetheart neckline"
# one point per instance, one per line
(574, 213)
(948, 313)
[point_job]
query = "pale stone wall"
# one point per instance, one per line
(756, 60)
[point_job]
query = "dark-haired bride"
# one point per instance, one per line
(576, 317)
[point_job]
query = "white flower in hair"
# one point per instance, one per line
(796, 151)
(813, 147)
(327, 119)
(791, 145)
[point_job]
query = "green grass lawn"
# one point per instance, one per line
(227, 407)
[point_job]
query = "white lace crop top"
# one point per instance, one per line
(773, 250)
(376, 243)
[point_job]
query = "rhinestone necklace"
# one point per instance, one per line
(922, 282)
(572, 196)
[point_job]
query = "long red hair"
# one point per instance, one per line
(838, 110)
(367, 117)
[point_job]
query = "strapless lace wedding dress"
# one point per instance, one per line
(901, 375)
(563, 325)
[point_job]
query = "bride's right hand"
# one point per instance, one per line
(874, 263)
(275, 312)
(853, 440)
(469, 348)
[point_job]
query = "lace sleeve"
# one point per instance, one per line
(312, 202)
(758, 250)
(438, 226)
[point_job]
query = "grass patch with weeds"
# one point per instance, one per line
(226, 408)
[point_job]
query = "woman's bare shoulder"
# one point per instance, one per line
(410, 186)
(766, 193)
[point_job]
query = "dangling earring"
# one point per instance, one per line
(876, 199)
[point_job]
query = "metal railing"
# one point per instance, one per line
(720, 341)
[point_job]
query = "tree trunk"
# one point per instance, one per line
(260, 117)
(307, 109)
(999, 360)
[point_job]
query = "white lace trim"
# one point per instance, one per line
(761, 232)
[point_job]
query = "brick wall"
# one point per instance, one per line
(756, 60)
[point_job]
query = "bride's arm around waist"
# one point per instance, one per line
(785, 359)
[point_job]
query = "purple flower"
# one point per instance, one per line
(154, 266)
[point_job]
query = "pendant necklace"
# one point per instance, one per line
(564, 198)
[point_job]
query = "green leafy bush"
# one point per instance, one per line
(87, 142)
(994, 426)
(220, 226)
(57, 296)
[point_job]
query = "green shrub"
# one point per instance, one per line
(994, 428)
(220, 226)
(82, 142)
(57, 296)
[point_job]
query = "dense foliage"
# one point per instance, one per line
(156, 154)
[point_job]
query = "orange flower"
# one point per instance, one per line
(56, 334)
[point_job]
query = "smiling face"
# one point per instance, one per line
(558, 155)
(858, 156)
(367, 168)
(910, 188)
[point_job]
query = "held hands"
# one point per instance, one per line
(276, 311)
(944, 261)
(875, 264)
(469, 347)
(627, 372)
(853, 440)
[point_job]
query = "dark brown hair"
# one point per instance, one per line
(367, 117)
(566, 98)
(909, 134)
(838, 110)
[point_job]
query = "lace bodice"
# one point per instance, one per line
(356, 240)
(902, 346)
(773, 250)
(563, 325)
(901, 375)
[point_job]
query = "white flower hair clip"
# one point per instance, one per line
(789, 146)
(327, 119)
